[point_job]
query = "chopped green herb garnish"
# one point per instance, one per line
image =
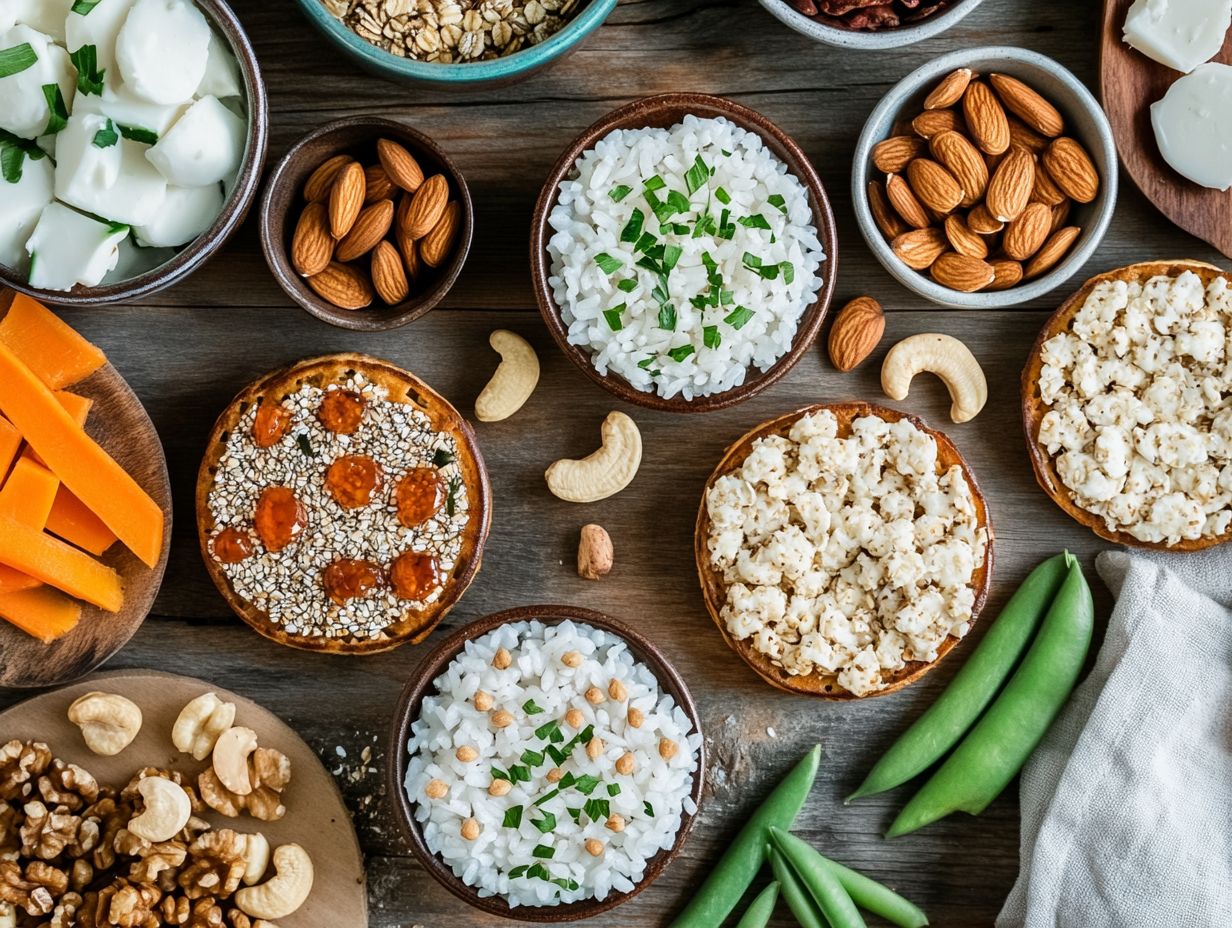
(116, 227)
(613, 789)
(645, 242)
(681, 352)
(586, 784)
(538, 871)
(645, 363)
(648, 809)
(13, 154)
(545, 824)
(558, 756)
(442, 458)
(498, 774)
(613, 317)
(751, 261)
(727, 228)
(568, 780)
(16, 59)
(633, 228)
(681, 228)
(597, 810)
(530, 707)
(84, 6)
(89, 77)
(547, 728)
(627, 286)
(671, 254)
(711, 337)
(518, 872)
(756, 221)
(566, 884)
(677, 201)
(697, 175)
(789, 271)
(738, 317)
(619, 192)
(551, 794)
(532, 758)
(137, 134)
(776, 200)
(305, 445)
(667, 318)
(58, 108)
(451, 496)
(655, 183)
(607, 263)
(513, 817)
(575, 814)
(519, 773)
(722, 196)
(106, 136)
(543, 852)
(726, 153)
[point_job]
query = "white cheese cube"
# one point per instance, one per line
(222, 72)
(203, 147)
(127, 109)
(186, 213)
(21, 204)
(113, 181)
(162, 50)
(68, 248)
(47, 16)
(134, 261)
(99, 27)
(1178, 33)
(23, 108)
(1193, 126)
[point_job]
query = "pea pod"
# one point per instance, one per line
(871, 896)
(744, 857)
(1000, 743)
(819, 880)
(757, 915)
(973, 687)
(795, 895)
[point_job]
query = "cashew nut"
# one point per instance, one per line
(944, 356)
(514, 380)
(284, 892)
(108, 722)
(199, 724)
(167, 810)
(604, 473)
(230, 760)
(256, 853)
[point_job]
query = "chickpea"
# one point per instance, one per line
(502, 660)
(626, 764)
(571, 659)
(466, 753)
(555, 775)
(502, 719)
(500, 788)
(617, 690)
(594, 696)
(668, 748)
(437, 789)
(470, 829)
(484, 701)
(594, 847)
(636, 717)
(574, 718)
(616, 823)
(594, 747)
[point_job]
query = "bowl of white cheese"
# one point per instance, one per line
(132, 138)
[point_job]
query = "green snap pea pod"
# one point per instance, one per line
(757, 915)
(744, 857)
(871, 896)
(973, 687)
(798, 899)
(821, 882)
(1000, 743)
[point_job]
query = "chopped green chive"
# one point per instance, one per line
(756, 221)
(648, 809)
(558, 756)
(89, 77)
(671, 254)
(498, 774)
(586, 784)
(552, 794)
(305, 445)
(645, 363)
(567, 884)
(13, 154)
(513, 817)
(619, 192)
(543, 852)
(451, 495)
(539, 871)
(678, 201)
(547, 728)
(607, 263)
(517, 773)
(667, 318)
(738, 317)
(84, 6)
(532, 758)
(655, 183)
(645, 242)
(612, 316)
(633, 228)
(597, 810)
(789, 271)
(545, 824)
(575, 814)
(137, 134)
(751, 261)
(530, 707)
(681, 352)
(58, 108)
(442, 458)
(711, 337)
(518, 872)
(613, 789)
(697, 175)
(627, 286)
(16, 59)
(567, 780)
(722, 196)
(106, 136)
(776, 200)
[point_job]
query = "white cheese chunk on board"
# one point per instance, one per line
(1193, 126)
(68, 248)
(1181, 34)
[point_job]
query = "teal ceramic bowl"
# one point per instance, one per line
(477, 75)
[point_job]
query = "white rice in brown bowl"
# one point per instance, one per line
(549, 766)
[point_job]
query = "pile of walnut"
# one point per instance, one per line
(76, 854)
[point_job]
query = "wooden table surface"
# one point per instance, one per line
(187, 351)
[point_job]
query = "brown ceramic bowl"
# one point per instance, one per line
(714, 591)
(283, 202)
(421, 683)
(661, 112)
(1033, 407)
(201, 249)
(415, 624)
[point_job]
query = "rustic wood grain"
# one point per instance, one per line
(188, 352)
(1129, 83)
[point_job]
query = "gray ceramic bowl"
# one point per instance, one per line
(784, 12)
(1084, 121)
(207, 244)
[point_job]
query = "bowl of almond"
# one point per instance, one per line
(985, 178)
(366, 223)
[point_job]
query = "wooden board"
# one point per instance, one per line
(316, 818)
(190, 349)
(119, 423)
(1129, 82)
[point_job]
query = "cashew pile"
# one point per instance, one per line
(515, 379)
(944, 356)
(605, 472)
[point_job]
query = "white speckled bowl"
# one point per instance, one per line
(784, 12)
(1084, 121)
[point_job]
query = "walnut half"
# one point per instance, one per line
(269, 772)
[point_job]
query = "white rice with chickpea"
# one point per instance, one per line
(549, 766)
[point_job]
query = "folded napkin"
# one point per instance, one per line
(1127, 803)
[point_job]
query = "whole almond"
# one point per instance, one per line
(949, 91)
(435, 247)
(346, 199)
(1045, 190)
(1006, 274)
(857, 329)
(964, 161)
(887, 220)
(898, 192)
(377, 185)
(892, 155)
(425, 208)
(400, 165)
(1069, 165)
(410, 255)
(312, 246)
(1025, 137)
(983, 222)
(1060, 215)
(963, 240)
(1027, 105)
(342, 285)
(933, 185)
(930, 122)
(322, 179)
(960, 272)
(919, 248)
(1024, 236)
(1009, 189)
(1057, 246)
(388, 274)
(986, 119)
(370, 227)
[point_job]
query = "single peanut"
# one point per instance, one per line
(668, 748)
(436, 789)
(470, 829)
(626, 764)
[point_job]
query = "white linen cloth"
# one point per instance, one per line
(1127, 803)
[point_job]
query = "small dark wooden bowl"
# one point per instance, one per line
(714, 590)
(201, 249)
(284, 201)
(664, 111)
(421, 683)
(1034, 409)
(414, 625)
